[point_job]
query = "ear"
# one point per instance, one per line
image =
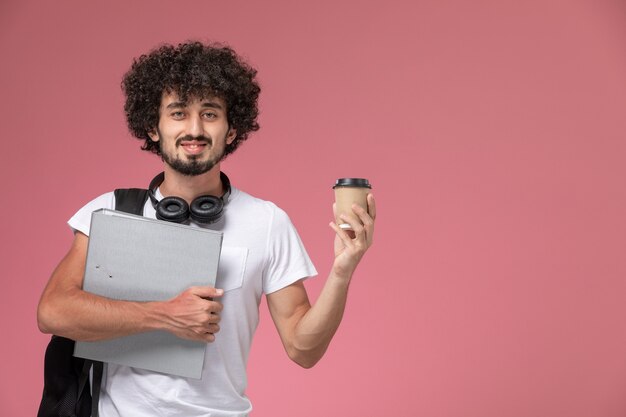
(231, 135)
(154, 136)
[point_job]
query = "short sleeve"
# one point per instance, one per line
(81, 221)
(288, 260)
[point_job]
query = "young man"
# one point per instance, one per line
(193, 104)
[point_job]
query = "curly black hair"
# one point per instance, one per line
(190, 70)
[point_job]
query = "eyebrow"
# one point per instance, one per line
(206, 104)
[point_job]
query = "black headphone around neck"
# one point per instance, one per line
(205, 209)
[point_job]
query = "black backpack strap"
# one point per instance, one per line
(98, 368)
(131, 200)
(83, 380)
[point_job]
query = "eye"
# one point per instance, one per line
(209, 115)
(177, 115)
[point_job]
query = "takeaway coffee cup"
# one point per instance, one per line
(347, 192)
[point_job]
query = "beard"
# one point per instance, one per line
(192, 166)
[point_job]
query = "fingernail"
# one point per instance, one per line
(219, 291)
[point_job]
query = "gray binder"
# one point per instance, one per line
(135, 258)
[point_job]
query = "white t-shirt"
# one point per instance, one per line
(261, 253)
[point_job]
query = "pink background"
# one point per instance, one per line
(492, 131)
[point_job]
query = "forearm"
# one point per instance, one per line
(316, 328)
(79, 315)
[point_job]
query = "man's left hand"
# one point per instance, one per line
(351, 245)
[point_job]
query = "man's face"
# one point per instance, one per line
(193, 135)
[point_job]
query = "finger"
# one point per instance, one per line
(206, 291)
(365, 218)
(347, 240)
(203, 335)
(212, 329)
(354, 222)
(368, 222)
(337, 216)
(204, 330)
(215, 307)
(371, 205)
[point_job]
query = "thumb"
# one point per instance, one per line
(206, 291)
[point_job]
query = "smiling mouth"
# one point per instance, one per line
(193, 147)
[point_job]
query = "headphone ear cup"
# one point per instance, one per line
(206, 209)
(172, 209)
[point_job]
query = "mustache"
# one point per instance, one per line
(189, 138)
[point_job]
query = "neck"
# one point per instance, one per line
(190, 187)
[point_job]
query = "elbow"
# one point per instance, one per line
(304, 361)
(305, 358)
(42, 318)
(54, 315)
(307, 364)
(48, 318)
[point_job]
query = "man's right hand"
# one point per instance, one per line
(193, 314)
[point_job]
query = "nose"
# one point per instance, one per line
(195, 126)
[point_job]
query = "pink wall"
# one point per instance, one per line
(493, 132)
